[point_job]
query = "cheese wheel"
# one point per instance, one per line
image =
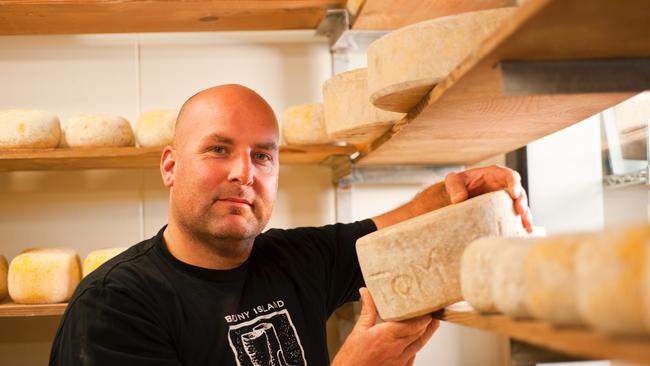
(97, 130)
(349, 115)
(405, 64)
(29, 129)
(413, 268)
(156, 128)
(3, 277)
(550, 277)
(305, 125)
(610, 270)
(476, 273)
(44, 276)
(96, 258)
(508, 285)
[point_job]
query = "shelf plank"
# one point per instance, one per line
(10, 309)
(101, 16)
(394, 14)
(135, 157)
(466, 118)
(576, 341)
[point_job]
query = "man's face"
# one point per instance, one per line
(226, 170)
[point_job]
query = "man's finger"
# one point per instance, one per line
(407, 329)
(368, 314)
(421, 341)
(455, 186)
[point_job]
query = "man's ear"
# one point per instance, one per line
(167, 166)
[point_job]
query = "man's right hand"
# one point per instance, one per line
(385, 344)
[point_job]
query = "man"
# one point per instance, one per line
(210, 289)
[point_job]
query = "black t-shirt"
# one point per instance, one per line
(145, 307)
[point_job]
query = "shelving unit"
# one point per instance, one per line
(10, 309)
(576, 341)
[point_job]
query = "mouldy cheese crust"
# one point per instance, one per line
(508, 285)
(156, 128)
(413, 268)
(305, 125)
(96, 258)
(97, 130)
(29, 129)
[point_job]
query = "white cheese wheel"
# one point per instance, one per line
(305, 125)
(44, 276)
(96, 258)
(413, 268)
(508, 285)
(550, 278)
(4, 267)
(97, 130)
(156, 128)
(405, 64)
(611, 271)
(29, 129)
(476, 273)
(349, 115)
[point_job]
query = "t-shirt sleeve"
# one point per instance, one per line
(106, 326)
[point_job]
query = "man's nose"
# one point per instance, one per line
(242, 170)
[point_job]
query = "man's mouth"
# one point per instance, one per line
(236, 200)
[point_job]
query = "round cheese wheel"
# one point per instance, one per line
(96, 258)
(305, 125)
(97, 130)
(156, 128)
(349, 115)
(29, 129)
(44, 276)
(405, 64)
(508, 285)
(476, 273)
(4, 267)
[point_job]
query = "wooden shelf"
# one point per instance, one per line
(10, 309)
(576, 341)
(101, 16)
(466, 118)
(134, 157)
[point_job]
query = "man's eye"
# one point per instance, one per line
(263, 157)
(219, 149)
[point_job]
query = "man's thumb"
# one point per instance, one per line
(368, 315)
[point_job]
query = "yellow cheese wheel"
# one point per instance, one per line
(44, 276)
(413, 268)
(476, 273)
(508, 284)
(29, 129)
(97, 130)
(96, 258)
(4, 267)
(156, 128)
(305, 125)
(405, 64)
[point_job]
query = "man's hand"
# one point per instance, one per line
(473, 182)
(385, 344)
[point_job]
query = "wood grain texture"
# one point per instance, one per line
(466, 118)
(10, 309)
(135, 157)
(576, 341)
(101, 16)
(393, 14)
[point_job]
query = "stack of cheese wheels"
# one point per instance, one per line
(349, 115)
(156, 128)
(97, 130)
(611, 269)
(413, 268)
(405, 64)
(44, 276)
(29, 129)
(4, 267)
(96, 258)
(305, 125)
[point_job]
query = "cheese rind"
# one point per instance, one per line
(476, 272)
(405, 64)
(413, 268)
(156, 128)
(29, 129)
(44, 276)
(349, 115)
(305, 125)
(4, 267)
(508, 283)
(96, 258)
(97, 130)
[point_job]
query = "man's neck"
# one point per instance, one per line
(192, 250)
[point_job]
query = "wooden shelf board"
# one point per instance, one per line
(101, 16)
(134, 157)
(576, 341)
(10, 309)
(465, 118)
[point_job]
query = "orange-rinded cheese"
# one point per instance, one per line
(97, 130)
(4, 267)
(305, 125)
(413, 268)
(29, 129)
(44, 276)
(96, 258)
(156, 128)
